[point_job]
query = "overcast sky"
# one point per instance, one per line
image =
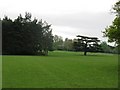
(68, 17)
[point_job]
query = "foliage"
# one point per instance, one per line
(57, 42)
(60, 44)
(87, 44)
(68, 44)
(26, 36)
(106, 48)
(113, 31)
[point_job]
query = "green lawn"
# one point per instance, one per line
(0, 71)
(61, 70)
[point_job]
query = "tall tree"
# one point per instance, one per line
(86, 44)
(113, 31)
(26, 36)
(8, 34)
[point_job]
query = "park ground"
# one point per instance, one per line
(60, 69)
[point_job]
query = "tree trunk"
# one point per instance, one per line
(85, 49)
(85, 53)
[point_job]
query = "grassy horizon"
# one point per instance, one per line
(61, 70)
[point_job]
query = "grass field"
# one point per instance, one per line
(61, 70)
(0, 71)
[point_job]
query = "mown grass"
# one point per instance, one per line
(0, 71)
(61, 70)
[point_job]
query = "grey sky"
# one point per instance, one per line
(81, 23)
(68, 17)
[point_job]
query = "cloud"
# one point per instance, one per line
(55, 6)
(68, 17)
(90, 24)
(81, 20)
(68, 32)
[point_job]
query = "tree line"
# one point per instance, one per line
(75, 45)
(24, 36)
(113, 31)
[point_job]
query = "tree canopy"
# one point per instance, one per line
(113, 31)
(26, 36)
(87, 44)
